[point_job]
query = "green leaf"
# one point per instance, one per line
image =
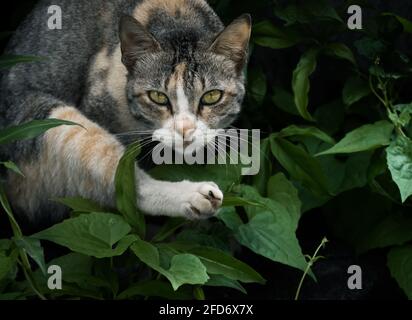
(12, 296)
(268, 35)
(5, 244)
(257, 85)
(407, 25)
(125, 182)
(30, 129)
(301, 166)
(341, 51)
(294, 130)
(261, 178)
(34, 249)
(221, 281)
(405, 113)
(393, 230)
(184, 268)
(155, 288)
(270, 230)
(284, 100)
(366, 208)
(399, 158)
(366, 137)
(282, 191)
(330, 116)
(343, 176)
(8, 60)
(213, 234)
(13, 167)
(79, 204)
(380, 72)
(7, 208)
(370, 48)
(354, 90)
(223, 175)
(230, 218)
(75, 267)
(77, 277)
(169, 228)
(187, 268)
(6, 265)
(301, 82)
(94, 234)
(220, 263)
(308, 12)
(400, 266)
(233, 201)
(342, 173)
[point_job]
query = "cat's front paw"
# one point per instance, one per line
(204, 201)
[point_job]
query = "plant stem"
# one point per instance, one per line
(311, 261)
(375, 92)
(19, 234)
(30, 280)
(199, 293)
(387, 103)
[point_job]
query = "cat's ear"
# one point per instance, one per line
(135, 40)
(233, 41)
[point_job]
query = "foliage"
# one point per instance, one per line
(347, 155)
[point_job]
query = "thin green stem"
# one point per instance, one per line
(199, 293)
(29, 276)
(311, 261)
(375, 92)
(386, 101)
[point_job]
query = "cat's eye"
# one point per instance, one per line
(211, 97)
(158, 98)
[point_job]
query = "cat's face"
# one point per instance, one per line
(188, 93)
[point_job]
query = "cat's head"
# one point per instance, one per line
(184, 83)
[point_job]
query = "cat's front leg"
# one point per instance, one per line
(192, 200)
(82, 160)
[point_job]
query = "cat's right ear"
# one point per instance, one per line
(233, 41)
(135, 40)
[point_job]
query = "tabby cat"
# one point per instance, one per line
(165, 67)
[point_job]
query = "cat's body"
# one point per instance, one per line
(173, 50)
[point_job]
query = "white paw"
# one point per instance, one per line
(204, 199)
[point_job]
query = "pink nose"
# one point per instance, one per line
(185, 126)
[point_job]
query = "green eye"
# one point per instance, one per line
(158, 98)
(211, 97)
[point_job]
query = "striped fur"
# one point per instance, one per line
(99, 70)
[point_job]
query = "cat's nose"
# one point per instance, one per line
(186, 127)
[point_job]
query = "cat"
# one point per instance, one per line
(168, 68)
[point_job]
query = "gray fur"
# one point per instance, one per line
(68, 76)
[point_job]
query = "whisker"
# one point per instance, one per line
(150, 152)
(224, 153)
(133, 134)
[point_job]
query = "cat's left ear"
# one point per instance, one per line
(233, 41)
